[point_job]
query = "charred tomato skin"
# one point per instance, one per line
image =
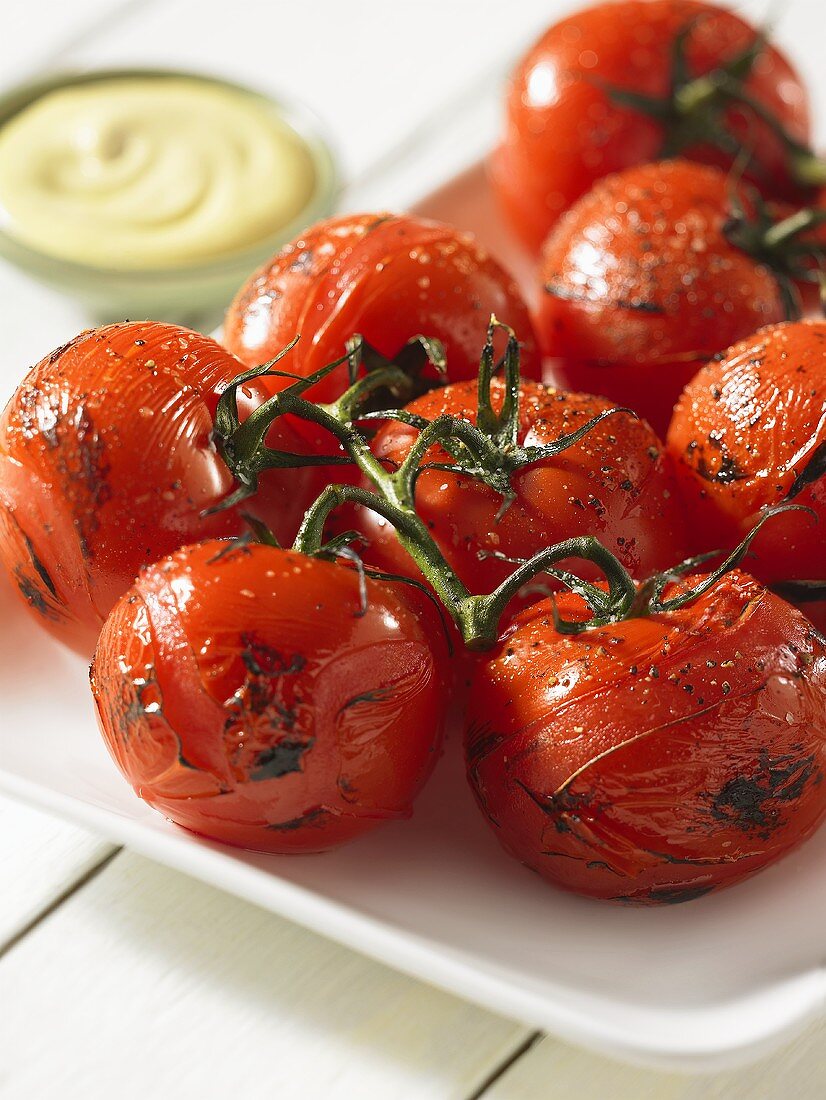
(247, 694)
(749, 432)
(641, 286)
(389, 277)
(615, 483)
(656, 759)
(563, 131)
(107, 461)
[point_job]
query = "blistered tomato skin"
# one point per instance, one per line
(658, 759)
(248, 695)
(389, 277)
(564, 132)
(107, 461)
(749, 432)
(615, 483)
(641, 287)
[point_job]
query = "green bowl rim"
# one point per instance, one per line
(301, 119)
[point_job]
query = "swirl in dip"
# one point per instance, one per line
(150, 172)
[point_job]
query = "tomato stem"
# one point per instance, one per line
(414, 537)
(783, 246)
(808, 169)
(659, 582)
(697, 96)
(805, 167)
(790, 228)
(487, 450)
(621, 588)
(694, 111)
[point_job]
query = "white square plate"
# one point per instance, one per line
(697, 985)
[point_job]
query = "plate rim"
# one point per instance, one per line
(690, 1039)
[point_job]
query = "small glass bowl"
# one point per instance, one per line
(194, 291)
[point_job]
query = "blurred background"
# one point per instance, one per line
(408, 93)
(207, 992)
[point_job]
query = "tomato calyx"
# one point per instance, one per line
(478, 451)
(650, 599)
(784, 246)
(624, 598)
(243, 446)
(693, 113)
(489, 450)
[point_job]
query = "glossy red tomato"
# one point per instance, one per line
(250, 696)
(655, 759)
(389, 277)
(565, 130)
(642, 285)
(750, 432)
(616, 483)
(106, 463)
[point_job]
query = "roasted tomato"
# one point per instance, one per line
(615, 483)
(106, 463)
(615, 86)
(252, 696)
(749, 432)
(655, 759)
(389, 277)
(642, 284)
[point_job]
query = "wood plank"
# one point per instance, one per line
(551, 1070)
(145, 976)
(41, 859)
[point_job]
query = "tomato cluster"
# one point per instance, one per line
(629, 82)
(285, 554)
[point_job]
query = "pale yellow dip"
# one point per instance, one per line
(149, 172)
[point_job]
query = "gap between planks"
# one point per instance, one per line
(506, 1064)
(53, 905)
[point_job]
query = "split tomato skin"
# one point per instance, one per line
(389, 277)
(748, 433)
(107, 462)
(656, 759)
(615, 483)
(247, 694)
(641, 286)
(564, 132)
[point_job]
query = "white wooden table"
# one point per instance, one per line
(120, 978)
